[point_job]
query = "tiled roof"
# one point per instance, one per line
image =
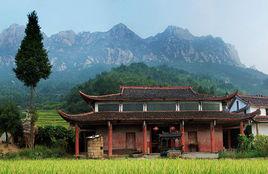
(143, 93)
(255, 100)
(156, 116)
(261, 119)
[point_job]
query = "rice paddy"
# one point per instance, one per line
(117, 166)
(50, 117)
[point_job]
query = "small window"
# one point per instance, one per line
(133, 107)
(266, 111)
(161, 106)
(237, 105)
(189, 106)
(108, 107)
(210, 106)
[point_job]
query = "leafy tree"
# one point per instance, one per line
(32, 63)
(10, 119)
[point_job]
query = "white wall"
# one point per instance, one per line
(253, 108)
(263, 129)
(234, 106)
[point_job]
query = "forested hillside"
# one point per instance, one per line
(141, 74)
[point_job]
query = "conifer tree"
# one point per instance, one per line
(32, 64)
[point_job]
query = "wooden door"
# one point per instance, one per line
(192, 137)
(192, 141)
(130, 140)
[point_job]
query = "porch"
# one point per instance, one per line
(124, 138)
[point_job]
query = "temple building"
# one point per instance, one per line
(142, 119)
(249, 104)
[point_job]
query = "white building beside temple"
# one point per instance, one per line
(249, 104)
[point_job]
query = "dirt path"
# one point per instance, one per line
(10, 148)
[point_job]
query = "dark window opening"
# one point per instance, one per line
(108, 107)
(133, 107)
(210, 106)
(167, 106)
(189, 106)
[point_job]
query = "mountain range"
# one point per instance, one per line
(120, 45)
(85, 54)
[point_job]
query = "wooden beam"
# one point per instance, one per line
(110, 139)
(233, 127)
(229, 138)
(76, 141)
(257, 128)
(182, 136)
(242, 128)
(144, 138)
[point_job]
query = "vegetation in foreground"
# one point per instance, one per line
(38, 152)
(249, 147)
(135, 166)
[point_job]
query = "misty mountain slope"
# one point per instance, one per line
(121, 45)
(78, 56)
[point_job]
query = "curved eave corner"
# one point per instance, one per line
(67, 117)
(254, 114)
(89, 99)
(230, 96)
(64, 115)
(220, 98)
(257, 113)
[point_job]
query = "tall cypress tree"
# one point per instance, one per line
(32, 64)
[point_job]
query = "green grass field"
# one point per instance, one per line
(50, 117)
(254, 166)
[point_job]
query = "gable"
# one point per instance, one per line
(237, 104)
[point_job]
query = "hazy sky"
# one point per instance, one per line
(243, 23)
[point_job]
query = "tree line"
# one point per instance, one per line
(141, 74)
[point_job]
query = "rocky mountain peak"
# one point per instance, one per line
(120, 27)
(122, 31)
(12, 34)
(178, 32)
(64, 37)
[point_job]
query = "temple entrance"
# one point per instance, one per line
(130, 140)
(155, 137)
(230, 138)
(192, 141)
(163, 139)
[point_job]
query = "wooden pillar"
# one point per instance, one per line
(144, 138)
(172, 142)
(257, 128)
(229, 138)
(212, 135)
(76, 141)
(182, 136)
(110, 139)
(242, 128)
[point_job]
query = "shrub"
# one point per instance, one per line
(261, 143)
(246, 143)
(241, 154)
(56, 136)
(39, 152)
(10, 119)
(249, 147)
